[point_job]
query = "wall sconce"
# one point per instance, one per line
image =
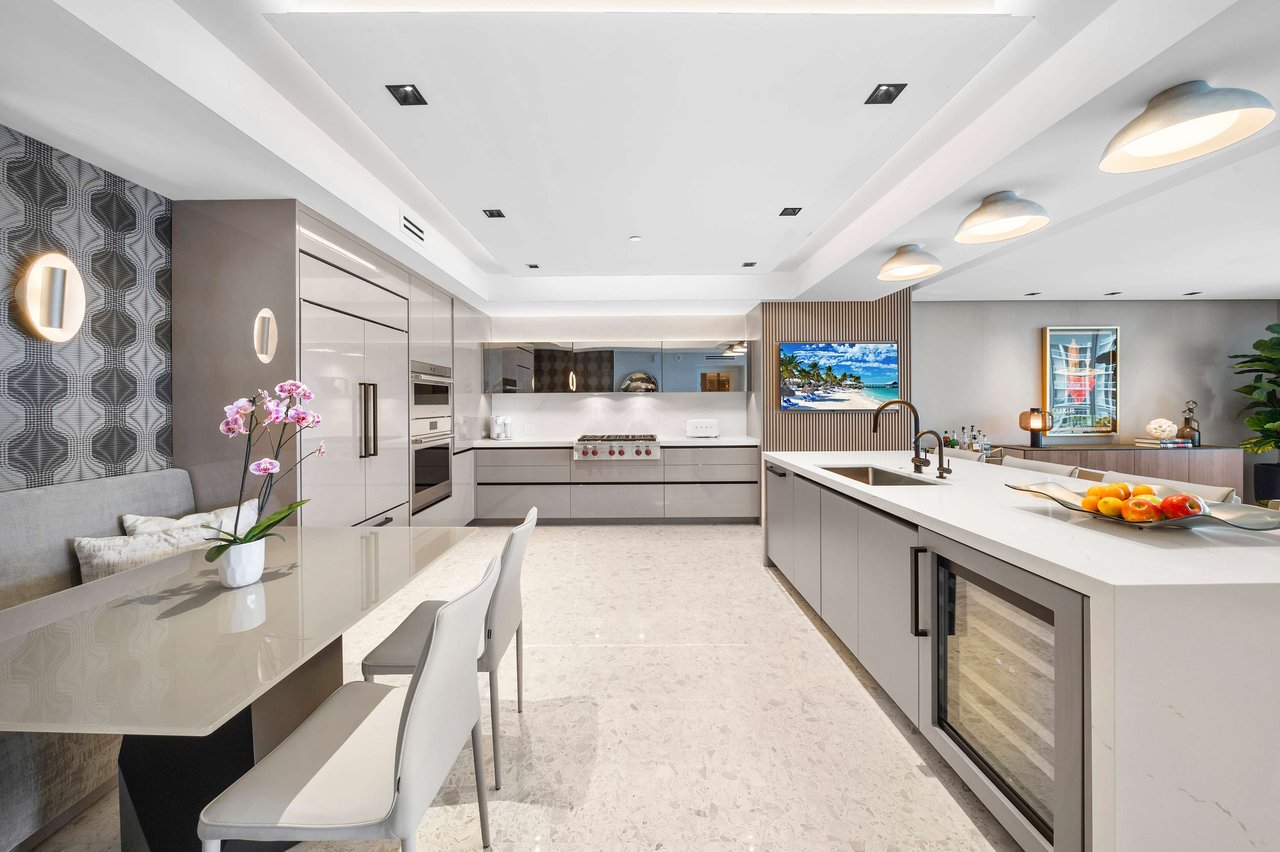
(1036, 422)
(51, 298)
(266, 333)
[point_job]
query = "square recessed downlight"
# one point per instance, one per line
(1032, 293)
(533, 266)
(885, 93)
(1193, 293)
(748, 264)
(790, 211)
(407, 94)
(1113, 293)
(495, 214)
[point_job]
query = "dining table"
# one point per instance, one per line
(201, 681)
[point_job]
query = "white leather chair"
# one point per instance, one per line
(1212, 493)
(395, 655)
(367, 763)
(1041, 466)
(1091, 474)
(967, 455)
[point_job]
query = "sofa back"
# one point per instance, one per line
(40, 525)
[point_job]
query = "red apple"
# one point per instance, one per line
(1182, 506)
(1138, 510)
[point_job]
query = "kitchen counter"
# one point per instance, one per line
(663, 440)
(1181, 743)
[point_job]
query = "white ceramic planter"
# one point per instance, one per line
(242, 564)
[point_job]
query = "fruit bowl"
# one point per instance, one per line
(1216, 514)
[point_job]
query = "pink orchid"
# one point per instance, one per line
(320, 450)
(240, 407)
(295, 388)
(233, 426)
(277, 410)
(262, 467)
(302, 418)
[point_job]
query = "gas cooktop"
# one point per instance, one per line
(617, 448)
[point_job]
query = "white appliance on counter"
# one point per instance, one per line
(702, 428)
(355, 364)
(500, 428)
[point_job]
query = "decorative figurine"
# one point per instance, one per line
(1190, 425)
(1161, 428)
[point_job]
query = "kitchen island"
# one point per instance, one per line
(1176, 684)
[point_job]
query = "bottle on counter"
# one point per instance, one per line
(963, 443)
(973, 439)
(946, 438)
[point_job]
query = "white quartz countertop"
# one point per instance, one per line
(974, 507)
(663, 440)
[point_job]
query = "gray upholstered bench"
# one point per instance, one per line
(45, 779)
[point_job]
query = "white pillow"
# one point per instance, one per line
(102, 557)
(221, 518)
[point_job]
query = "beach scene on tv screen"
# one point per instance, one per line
(837, 376)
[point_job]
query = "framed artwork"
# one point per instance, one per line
(1081, 379)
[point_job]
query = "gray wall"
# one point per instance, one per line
(979, 362)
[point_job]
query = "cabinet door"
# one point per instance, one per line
(386, 365)
(778, 518)
(806, 546)
(839, 606)
(421, 322)
(886, 645)
(1163, 464)
(333, 366)
(442, 329)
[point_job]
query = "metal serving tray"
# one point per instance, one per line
(1236, 515)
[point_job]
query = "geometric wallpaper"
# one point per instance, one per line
(99, 404)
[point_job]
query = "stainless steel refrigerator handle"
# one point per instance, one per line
(363, 416)
(374, 406)
(915, 592)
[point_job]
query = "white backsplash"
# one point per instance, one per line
(557, 415)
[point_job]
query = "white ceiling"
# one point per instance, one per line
(692, 131)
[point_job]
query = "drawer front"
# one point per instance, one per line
(617, 501)
(514, 501)
(549, 456)
(711, 455)
(713, 500)
(523, 473)
(617, 471)
(712, 472)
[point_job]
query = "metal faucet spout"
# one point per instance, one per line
(919, 463)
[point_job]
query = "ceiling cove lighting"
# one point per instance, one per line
(407, 94)
(909, 263)
(494, 214)
(1001, 216)
(885, 93)
(1185, 122)
(790, 211)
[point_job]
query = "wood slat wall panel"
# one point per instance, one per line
(884, 320)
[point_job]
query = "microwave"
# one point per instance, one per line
(432, 395)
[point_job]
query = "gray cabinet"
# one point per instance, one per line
(703, 368)
(430, 324)
(712, 500)
(839, 608)
(806, 546)
(616, 501)
(886, 644)
(614, 367)
(779, 519)
(512, 502)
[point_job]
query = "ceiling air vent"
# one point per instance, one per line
(412, 228)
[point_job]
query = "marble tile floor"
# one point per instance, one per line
(678, 697)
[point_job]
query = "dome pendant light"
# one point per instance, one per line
(1001, 216)
(909, 262)
(1185, 122)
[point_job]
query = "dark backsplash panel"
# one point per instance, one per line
(98, 405)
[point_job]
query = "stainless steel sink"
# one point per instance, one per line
(868, 475)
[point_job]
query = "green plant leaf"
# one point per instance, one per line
(1274, 328)
(212, 554)
(269, 523)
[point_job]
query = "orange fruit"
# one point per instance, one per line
(1112, 507)
(1095, 491)
(1139, 490)
(1126, 490)
(1089, 504)
(1114, 490)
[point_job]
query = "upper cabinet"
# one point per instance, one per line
(607, 367)
(430, 326)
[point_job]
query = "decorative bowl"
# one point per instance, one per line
(1235, 515)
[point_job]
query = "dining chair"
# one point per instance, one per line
(967, 455)
(505, 620)
(1041, 466)
(367, 763)
(1090, 474)
(1212, 493)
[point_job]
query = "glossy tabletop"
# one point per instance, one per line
(165, 649)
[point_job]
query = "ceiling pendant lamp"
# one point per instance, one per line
(1001, 216)
(1185, 122)
(909, 263)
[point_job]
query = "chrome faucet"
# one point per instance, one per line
(918, 461)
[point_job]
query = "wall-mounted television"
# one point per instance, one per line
(837, 376)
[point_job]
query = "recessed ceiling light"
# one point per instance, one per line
(495, 214)
(1001, 216)
(407, 94)
(790, 211)
(1036, 293)
(909, 263)
(1113, 293)
(1193, 293)
(1185, 122)
(635, 238)
(533, 266)
(885, 93)
(749, 264)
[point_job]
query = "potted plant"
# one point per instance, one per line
(273, 422)
(1264, 404)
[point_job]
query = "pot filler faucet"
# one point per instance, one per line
(918, 461)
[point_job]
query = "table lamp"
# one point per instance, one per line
(1036, 422)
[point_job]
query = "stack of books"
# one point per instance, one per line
(1164, 443)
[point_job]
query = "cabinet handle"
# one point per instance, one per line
(916, 630)
(382, 523)
(775, 471)
(376, 438)
(363, 416)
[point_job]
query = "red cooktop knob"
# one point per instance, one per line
(611, 452)
(595, 452)
(585, 451)
(647, 452)
(637, 451)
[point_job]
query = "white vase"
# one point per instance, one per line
(242, 564)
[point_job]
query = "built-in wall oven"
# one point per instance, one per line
(1003, 689)
(432, 394)
(432, 468)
